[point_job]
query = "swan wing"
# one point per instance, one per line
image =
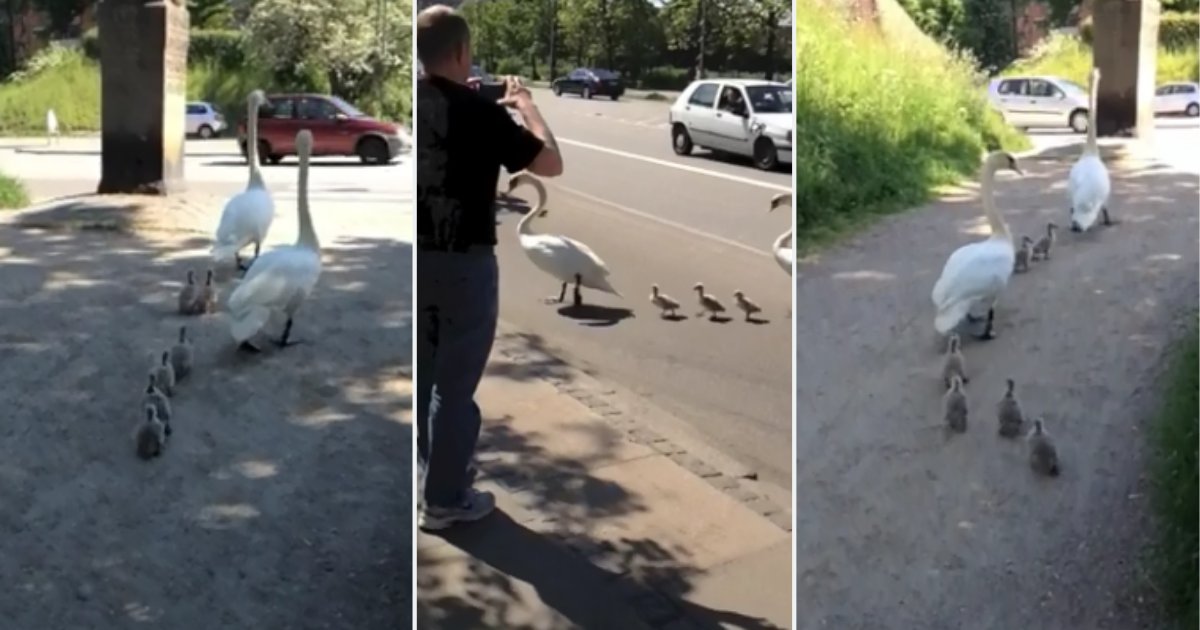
(247, 216)
(1088, 187)
(563, 257)
(278, 280)
(979, 271)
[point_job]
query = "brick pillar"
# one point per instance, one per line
(143, 70)
(1125, 44)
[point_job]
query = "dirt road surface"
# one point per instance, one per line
(283, 500)
(899, 527)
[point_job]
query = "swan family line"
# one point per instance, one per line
(273, 286)
(976, 275)
(571, 262)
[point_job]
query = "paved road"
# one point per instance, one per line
(215, 166)
(657, 218)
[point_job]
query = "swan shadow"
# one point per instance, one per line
(757, 321)
(719, 319)
(674, 318)
(595, 315)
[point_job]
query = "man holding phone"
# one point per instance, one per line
(462, 141)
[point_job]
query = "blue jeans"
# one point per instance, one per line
(458, 303)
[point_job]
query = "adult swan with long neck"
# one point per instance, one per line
(566, 259)
(977, 273)
(1088, 184)
(281, 279)
(247, 216)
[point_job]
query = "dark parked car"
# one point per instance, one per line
(338, 128)
(589, 82)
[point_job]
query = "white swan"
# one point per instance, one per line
(1088, 184)
(783, 249)
(280, 280)
(977, 273)
(566, 259)
(51, 126)
(248, 214)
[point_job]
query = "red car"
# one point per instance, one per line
(338, 128)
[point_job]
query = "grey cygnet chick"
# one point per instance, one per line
(955, 364)
(954, 406)
(151, 435)
(1008, 413)
(1043, 455)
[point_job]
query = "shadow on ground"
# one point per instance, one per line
(905, 530)
(283, 498)
(555, 545)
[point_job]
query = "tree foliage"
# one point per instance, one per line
(354, 46)
(631, 36)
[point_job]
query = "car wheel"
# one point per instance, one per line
(373, 151)
(557, 90)
(681, 141)
(1079, 121)
(1193, 110)
(275, 159)
(205, 132)
(615, 96)
(766, 155)
(264, 152)
(587, 92)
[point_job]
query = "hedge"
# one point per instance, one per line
(220, 47)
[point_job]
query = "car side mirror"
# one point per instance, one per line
(341, 117)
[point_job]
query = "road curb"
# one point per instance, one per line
(604, 403)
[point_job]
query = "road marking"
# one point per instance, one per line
(666, 222)
(682, 167)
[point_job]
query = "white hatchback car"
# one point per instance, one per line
(1177, 98)
(752, 118)
(204, 120)
(1040, 101)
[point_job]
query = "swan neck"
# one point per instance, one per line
(256, 179)
(524, 227)
(995, 221)
(1093, 97)
(308, 235)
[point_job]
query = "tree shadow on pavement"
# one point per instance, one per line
(557, 554)
(282, 499)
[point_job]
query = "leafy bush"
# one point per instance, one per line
(12, 193)
(1070, 58)
(1174, 438)
(222, 47)
(71, 87)
(880, 124)
(1175, 30)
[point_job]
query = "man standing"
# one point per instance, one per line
(462, 141)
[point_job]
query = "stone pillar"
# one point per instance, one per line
(143, 70)
(1125, 47)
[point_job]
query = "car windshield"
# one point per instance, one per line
(770, 99)
(347, 108)
(604, 74)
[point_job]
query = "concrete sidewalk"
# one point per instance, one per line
(602, 524)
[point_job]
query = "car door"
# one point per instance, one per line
(1048, 104)
(1164, 99)
(277, 124)
(331, 134)
(699, 113)
(576, 80)
(731, 121)
(195, 114)
(1011, 94)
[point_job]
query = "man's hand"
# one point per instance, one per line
(516, 95)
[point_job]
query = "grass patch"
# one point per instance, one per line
(1173, 473)
(12, 193)
(1067, 56)
(880, 124)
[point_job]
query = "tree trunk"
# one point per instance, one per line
(772, 34)
(553, 39)
(702, 27)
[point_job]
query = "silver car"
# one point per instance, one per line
(1177, 98)
(1042, 101)
(745, 117)
(204, 120)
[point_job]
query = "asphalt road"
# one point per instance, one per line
(657, 218)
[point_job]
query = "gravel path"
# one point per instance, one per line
(900, 527)
(283, 500)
